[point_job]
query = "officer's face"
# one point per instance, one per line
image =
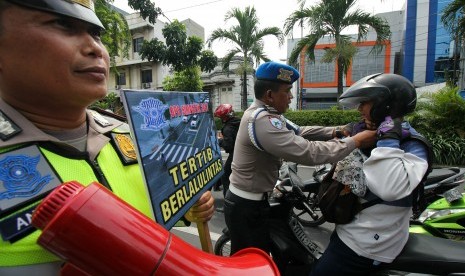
(49, 61)
(281, 98)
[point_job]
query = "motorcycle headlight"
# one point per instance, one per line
(432, 214)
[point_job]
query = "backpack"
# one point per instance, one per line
(337, 202)
(339, 205)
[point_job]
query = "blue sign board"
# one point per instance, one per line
(176, 143)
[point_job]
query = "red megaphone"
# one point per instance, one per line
(99, 234)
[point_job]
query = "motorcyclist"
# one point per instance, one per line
(229, 132)
(391, 171)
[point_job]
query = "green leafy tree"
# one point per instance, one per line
(117, 37)
(248, 41)
(330, 18)
(185, 80)
(146, 9)
(454, 21)
(439, 116)
(184, 54)
(453, 17)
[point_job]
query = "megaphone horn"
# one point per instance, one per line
(99, 234)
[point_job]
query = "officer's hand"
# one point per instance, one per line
(203, 209)
(392, 129)
(220, 142)
(365, 139)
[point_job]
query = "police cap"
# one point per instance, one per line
(278, 72)
(79, 9)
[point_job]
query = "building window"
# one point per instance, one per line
(137, 44)
(365, 62)
(121, 79)
(223, 89)
(229, 88)
(146, 76)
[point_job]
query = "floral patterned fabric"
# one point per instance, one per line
(349, 171)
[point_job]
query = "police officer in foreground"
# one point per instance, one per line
(262, 142)
(52, 66)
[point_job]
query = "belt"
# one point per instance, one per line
(247, 195)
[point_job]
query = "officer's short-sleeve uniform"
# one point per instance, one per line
(262, 142)
(256, 170)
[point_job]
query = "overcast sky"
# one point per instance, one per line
(271, 13)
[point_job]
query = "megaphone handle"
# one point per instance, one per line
(204, 235)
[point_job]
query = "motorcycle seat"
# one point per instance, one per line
(309, 185)
(432, 255)
(437, 175)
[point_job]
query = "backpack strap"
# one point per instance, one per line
(418, 195)
(416, 199)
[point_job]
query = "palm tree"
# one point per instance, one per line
(330, 18)
(248, 40)
(454, 20)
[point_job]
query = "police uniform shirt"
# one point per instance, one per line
(124, 180)
(257, 171)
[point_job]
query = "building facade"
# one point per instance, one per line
(135, 73)
(226, 87)
(420, 49)
(431, 52)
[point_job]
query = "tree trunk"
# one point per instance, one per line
(244, 90)
(340, 75)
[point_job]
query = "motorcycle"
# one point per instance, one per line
(292, 249)
(437, 183)
(444, 218)
(422, 253)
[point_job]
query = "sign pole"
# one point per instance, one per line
(204, 236)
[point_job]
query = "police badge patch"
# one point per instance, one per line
(277, 123)
(125, 147)
(25, 177)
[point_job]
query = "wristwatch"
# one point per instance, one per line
(338, 132)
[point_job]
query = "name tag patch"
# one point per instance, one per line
(17, 226)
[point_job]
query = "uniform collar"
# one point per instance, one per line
(96, 139)
(29, 132)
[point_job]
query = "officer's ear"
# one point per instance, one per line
(268, 94)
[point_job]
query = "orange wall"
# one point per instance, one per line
(349, 81)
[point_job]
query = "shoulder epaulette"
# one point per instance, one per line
(8, 128)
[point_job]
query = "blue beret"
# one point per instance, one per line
(275, 71)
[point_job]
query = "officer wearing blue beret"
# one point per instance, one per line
(53, 65)
(265, 138)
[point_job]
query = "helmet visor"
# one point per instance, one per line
(363, 92)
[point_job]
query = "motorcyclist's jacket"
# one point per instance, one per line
(263, 141)
(229, 132)
(393, 171)
(33, 163)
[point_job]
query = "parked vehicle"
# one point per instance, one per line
(443, 218)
